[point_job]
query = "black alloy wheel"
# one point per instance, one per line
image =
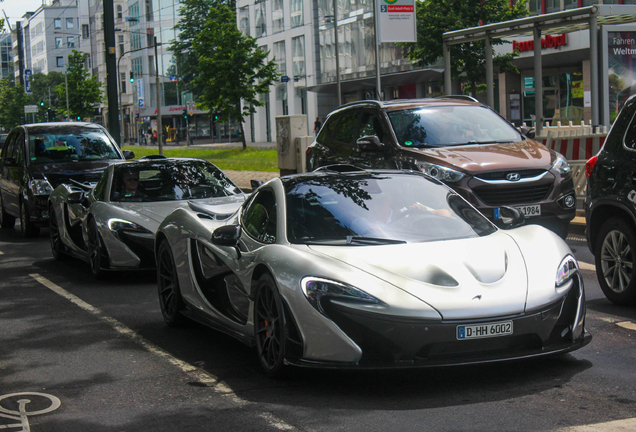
(97, 256)
(269, 327)
(615, 258)
(54, 231)
(170, 299)
(27, 228)
(6, 220)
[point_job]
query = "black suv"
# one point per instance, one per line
(459, 141)
(610, 208)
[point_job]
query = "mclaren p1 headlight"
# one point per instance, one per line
(316, 288)
(40, 187)
(567, 269)
(442, 173)
(116, 225)
(561, 165)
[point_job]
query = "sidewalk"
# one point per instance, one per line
(210, 143)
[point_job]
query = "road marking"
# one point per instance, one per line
(627, 325)
(21, 415)
(200, 375)
(626, 425)
(586, 266)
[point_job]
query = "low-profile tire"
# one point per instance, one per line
(27, 228)
(170, 299)
(6, 220)
(269, 327)
(615, 258)
(54, 234)
(97, 255)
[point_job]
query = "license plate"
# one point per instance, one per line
(527, 211)
(484, 330)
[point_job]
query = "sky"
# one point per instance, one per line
(16, 8)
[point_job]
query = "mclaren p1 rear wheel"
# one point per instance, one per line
(269, 327)
(170, 299)
(54, 231)
(6, 220)
(98, 258)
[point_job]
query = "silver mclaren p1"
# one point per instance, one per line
(112, 225)
(370, 269)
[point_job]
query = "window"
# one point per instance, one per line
(85, 34)
(298, 56)
(58, 42)
(244, 20)
(261, 27)
(279, 57)
(346, 130)
(70, 41)
(59, 61)
(122, 82)
(69, 23)
(370, 125)
(297, 13)
(57, 23)
(120, 13)
(259, 217)
(121, 45)
(278, 20)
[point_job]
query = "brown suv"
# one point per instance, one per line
(461, 142)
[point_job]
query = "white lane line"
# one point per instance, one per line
(202, 376)
(626, 425)
(627, 325)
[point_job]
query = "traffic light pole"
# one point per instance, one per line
(111, 68)
(120, 109)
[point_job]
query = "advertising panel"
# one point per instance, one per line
(621, 62)
(396, 20)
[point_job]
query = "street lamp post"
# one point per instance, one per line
(120, 107)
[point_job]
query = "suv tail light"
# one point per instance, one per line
(589, 166)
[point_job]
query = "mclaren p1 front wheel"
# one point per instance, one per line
(269, 327)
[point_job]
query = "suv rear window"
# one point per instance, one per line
(442, 126)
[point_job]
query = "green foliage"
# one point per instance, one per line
(193, 15)
(83, 89)
(43, 90)
(435, 17)
(12, 102)
(231, 68)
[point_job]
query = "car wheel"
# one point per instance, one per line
(54, 231)
(615, 258)
(6, 220)
(97, 256)
(269, 327)
(27, 227)
(170, 299)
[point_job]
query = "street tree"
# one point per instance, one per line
(231, 68)
(194, 14)
(84, 90)
(12, 102)
(435, 17)
(43, 91)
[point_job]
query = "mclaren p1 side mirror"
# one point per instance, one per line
(511, 217)
(254, 184)
(369, 143)
(75, 197)
(228, 235)
(129, 154)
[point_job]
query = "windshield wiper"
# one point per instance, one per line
(350, 240)
(490, 142)
(373, 240)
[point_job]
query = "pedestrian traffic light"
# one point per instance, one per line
(132, 77)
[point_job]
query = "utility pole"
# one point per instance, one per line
(111, 70)
(159, 126)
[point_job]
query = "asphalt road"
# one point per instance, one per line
(101, 348)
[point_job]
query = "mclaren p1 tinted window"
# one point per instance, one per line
(99, 192)
(345, 209)
(169, 181)
(259, 218)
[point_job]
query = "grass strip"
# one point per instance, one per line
(250, 159)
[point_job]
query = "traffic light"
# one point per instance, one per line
(132, 77)
(79, 118)
(185, 113)
(216, 116)
(41, 104)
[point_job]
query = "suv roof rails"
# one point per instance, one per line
(341, 168)
(462, 97)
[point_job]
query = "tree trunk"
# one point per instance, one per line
(242, 133)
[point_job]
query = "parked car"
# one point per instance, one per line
(370, 269)
(459, 141)
(36, 158)
(610, 208)
(112, 226)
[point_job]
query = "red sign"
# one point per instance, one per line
(546, 42)
(400, 8)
